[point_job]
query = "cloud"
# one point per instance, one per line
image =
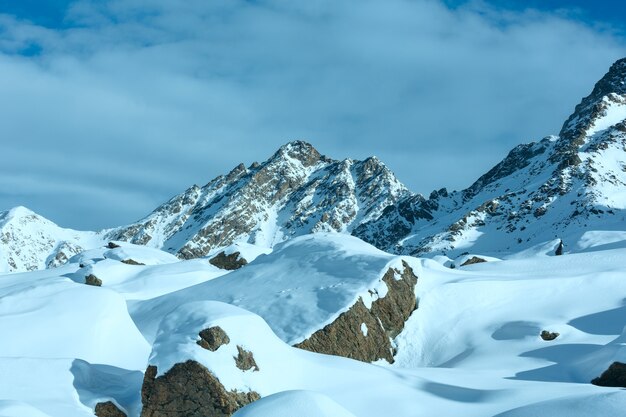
(141, 99)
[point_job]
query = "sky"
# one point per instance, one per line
(108, 108)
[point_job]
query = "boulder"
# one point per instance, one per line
(108, 409)
(228, 262)
(549, 336)
(473, 260)
(559, 249)
(190, 385)
(91, 279)
(615, 376)
(213, 338)
(189, 389)
(131, 262)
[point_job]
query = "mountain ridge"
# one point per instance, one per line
(554, 189)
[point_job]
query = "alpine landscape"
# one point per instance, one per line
(309, 286)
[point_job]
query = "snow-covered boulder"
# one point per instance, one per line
(327, 292)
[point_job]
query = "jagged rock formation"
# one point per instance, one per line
(615, 376)
(364, 333)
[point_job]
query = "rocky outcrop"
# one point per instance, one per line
(615, 376)
(189, 389)
(549, 336)
(91, 279)
(245, 360)
(213, 338)
(366, 334)
(108, 409)
(473, 260)
(131, 262)
(228, 262)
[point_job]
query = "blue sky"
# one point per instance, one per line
(112, 106)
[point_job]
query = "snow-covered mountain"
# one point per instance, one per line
(570, 187)
(295, 192)
(29, 241)
(562, 187)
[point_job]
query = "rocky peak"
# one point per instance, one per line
(299, 150)
(609, 92)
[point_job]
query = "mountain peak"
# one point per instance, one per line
(601, 109)
(299, 150)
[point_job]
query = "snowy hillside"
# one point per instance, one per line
(29, 242)
(472, 348)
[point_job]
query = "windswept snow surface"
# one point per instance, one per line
(298, 289)
(472, 348)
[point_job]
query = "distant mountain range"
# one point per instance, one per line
(569, 187)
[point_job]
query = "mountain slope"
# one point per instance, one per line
(28, 241)
(558, 188)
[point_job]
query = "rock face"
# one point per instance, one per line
(228, 262)
(108, 409)
(615, 376)
(189, 389)
(346, 337)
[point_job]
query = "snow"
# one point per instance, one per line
(614, 113)
(364, 329)
(472, 348)
(303, 285)
(294, 403)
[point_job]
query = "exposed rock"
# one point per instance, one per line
(108, 409)
(615, 376)
(131, 262)
(395, 308)
(112, 245)
(189, 389)
(385, 320)
(228, 262)
(343, 337)
(212, 338)
(91, 279)
(559, 249)
(473, 260)
(245, 360)
(549, 336)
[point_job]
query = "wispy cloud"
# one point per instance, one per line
(148, 97)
